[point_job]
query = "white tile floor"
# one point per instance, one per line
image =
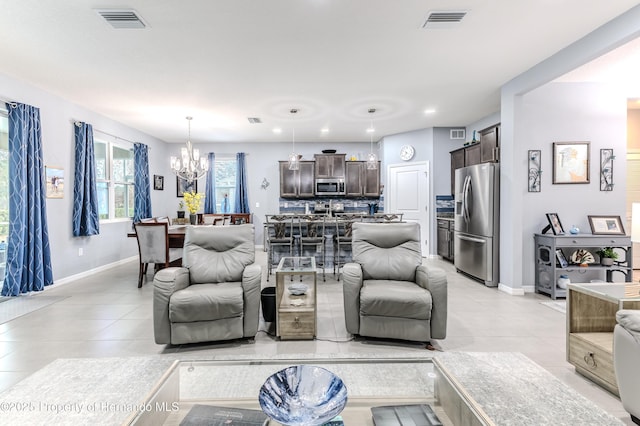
(107, 315)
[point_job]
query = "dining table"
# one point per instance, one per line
(176, 235)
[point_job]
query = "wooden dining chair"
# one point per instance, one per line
(163, 219)
(153, 247)
(212, 219)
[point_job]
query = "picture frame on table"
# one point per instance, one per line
(606, 225)
(158, 182)
(571, 162)
(554, 224)
(562, 260)
(183, 186)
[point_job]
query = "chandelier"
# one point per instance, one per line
(372, 159)
(191, 167)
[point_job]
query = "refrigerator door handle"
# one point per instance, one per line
(465, 198)
(472, 239)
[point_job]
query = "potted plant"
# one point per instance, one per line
(181, 209)
(193, 200)
(607, 256)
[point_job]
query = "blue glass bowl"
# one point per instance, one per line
(303, 395)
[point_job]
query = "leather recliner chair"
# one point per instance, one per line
(388, 293)
(626, 360)
(216, 294)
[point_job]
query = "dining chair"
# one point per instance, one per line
(153, 247)
(279, 230)
(342, 238)
(163, 219)
(387, 217)
(148, 220)
(311, 237)
(212, 219)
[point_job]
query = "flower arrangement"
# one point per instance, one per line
(193, 200)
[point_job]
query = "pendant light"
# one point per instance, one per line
(294, 162)
(192, 167)
(372, 159)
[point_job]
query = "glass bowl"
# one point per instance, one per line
(303, 395)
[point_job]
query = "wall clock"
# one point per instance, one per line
(407, 152)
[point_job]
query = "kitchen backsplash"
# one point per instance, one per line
(444, 205)
(337, 204)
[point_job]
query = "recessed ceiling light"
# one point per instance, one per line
(324, 130)
(371, 130)
(429, 111)
(277, 130)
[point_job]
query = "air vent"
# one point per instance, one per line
(443, 19)
(457, 134)
(122, 19)
(254, 120)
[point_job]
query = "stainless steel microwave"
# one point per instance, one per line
(330, 186)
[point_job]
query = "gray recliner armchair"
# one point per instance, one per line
(216, 294)
(387, 291)
(626, 360)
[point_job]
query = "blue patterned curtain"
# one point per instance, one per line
(28, 264)
(85, 196)
(242, 198)
(210, 188)
(141, 186)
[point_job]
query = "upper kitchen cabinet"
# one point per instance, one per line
(330, 165)
(490, 145)
(297, 183)
(360, 181)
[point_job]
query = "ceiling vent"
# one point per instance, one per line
(254, 120)
(443, 19)
(457, 134)
(122, 19)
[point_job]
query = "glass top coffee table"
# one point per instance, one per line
(236, 384)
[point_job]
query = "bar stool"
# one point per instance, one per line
(311, 234)
(279, 232)
(342, 237)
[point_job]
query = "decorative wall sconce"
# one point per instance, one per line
(606, 169)
(265, 183)
(534, 170)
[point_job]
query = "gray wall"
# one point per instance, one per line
(565, 112)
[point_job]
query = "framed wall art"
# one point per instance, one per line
(55, 181)
(571, 162)
(606, 169)
(534, 170)
(183, 186)
(606, 225)
(158, 182)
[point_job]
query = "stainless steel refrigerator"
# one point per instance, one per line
(477, 222)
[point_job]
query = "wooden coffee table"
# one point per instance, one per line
(296, 314)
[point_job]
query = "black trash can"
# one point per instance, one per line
(268, 299)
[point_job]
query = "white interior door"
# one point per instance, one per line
(407, 192)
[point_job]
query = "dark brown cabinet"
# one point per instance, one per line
(445, 239)
(297, 183)
(489, 146)
(330, 166)
(360, 181)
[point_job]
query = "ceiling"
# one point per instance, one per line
(223, 61)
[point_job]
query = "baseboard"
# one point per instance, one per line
(510, 290)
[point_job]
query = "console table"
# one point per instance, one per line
(548, 268)
(591, 318)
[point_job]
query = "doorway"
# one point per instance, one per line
(407, 192)
(633, 196)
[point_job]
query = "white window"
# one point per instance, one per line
(114, 180)
(225, 183)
